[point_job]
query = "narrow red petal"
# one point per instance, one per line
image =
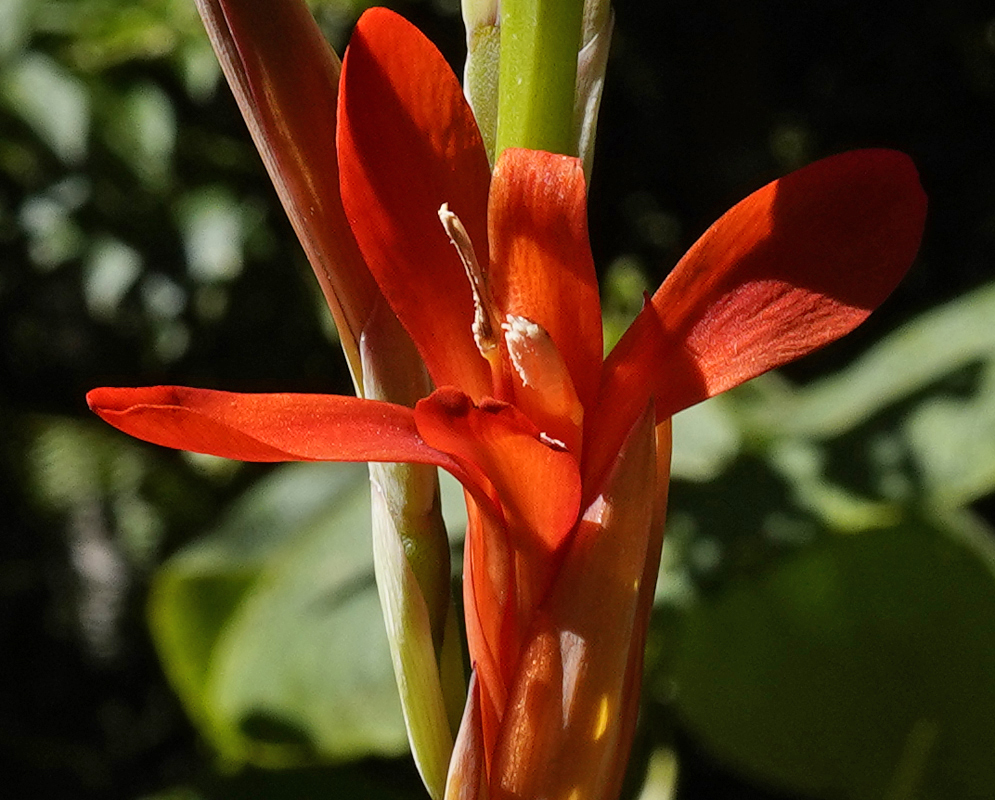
(647, 591)
(487, 589)
(285, 78)
(565, 729)
(541, 263)
(268, 427)
(792, 267)
(408, 143)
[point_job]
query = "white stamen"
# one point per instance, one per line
(483, 329)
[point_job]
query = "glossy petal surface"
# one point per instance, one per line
(795, 265)
(268, 427)
(407, 144)
(538, 485)
(542, 267)
(565, 718)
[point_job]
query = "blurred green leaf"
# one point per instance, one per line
(953, 440)
(214, 227)
(14, 25)
(52, 101)
(661, 776)
(706, 440)
(270, 627)
(140, 126)
(913, 358)
(862, 667)
(111, 269)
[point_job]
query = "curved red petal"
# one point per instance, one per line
(489, 615)
(408, 143)
(268, 427)
(795, 265)
(541, 263)
(537, 484)
(285, 78)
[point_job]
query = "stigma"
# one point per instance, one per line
(483, 316)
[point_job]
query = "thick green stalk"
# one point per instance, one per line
(538, 74)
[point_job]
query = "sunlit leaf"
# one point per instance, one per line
(706, 439)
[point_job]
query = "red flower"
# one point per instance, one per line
(564, 455)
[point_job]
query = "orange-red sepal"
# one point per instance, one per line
(285, 77)
(566, 726)
(269, 427)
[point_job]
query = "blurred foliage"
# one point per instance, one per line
(825, 621)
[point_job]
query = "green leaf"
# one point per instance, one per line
(270, 628)
(953, 440)
(706, 440)
(913, 358)
(863, 667)
(52, 101)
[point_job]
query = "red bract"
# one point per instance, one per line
(564, 455)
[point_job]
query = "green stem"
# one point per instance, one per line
(538, 74)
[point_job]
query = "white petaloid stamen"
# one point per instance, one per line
(524, 338)
(541, 369)
(483, 329)
(550, 441)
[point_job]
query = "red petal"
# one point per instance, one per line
(268, 427)
(566, 725)
(792, 267)
(509, 563)
(541, 263)
(408, 143)
(285, 77)
(647, 591)
(537, 485)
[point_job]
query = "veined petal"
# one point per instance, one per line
(285, 78)
(269, 427)
(795, 265)
(509, 562)
(408, 143)
(541, 263)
